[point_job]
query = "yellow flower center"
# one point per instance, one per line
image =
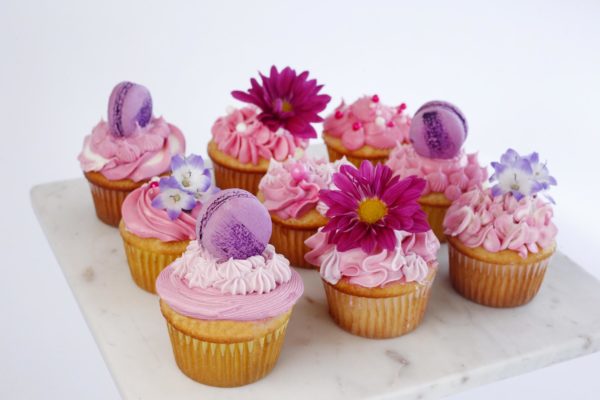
(371, 210)
(286, 106)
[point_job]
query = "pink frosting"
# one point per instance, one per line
(291, 188)
(241, 135)
(141, 156)
(409, 262)
(501, 223)
(368, 122)
(452, 176)
(145, 221)
(260, 287)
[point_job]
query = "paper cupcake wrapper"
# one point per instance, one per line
(435, 217)
(495, 285)
(335, 155)
(290, 242)
(108, 203)
(145, 265)
(229, 178)
(379, 317)
(227, 364)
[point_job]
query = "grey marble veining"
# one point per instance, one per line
(459, 344)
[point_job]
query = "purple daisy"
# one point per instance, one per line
(287, 101)
(172, 198)
(369, 205)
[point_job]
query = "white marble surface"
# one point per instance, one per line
(459, 345)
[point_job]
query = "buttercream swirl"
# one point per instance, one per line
(368, 122)
(144, 154)
(146, 221)
(241, 135)
(410, 261)
(291, 188)
(501, 223)
(452, 176)
(260, 287)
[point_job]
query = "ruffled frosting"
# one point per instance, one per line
(146, 221)
(409, 262)
(242, 136)
(291, 188)
(138, 157)
(501, 223)
(260, 287)
(368, 122)
(452, 176)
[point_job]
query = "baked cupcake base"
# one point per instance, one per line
(230, 173)
(435, 206)
(379, 313)
(502, 279)
(225, 353)
(289, 236)
(146, 257)
(336, 151)
(109, 195)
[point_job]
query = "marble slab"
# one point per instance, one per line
(459, 344)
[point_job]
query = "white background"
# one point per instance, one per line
(525, 74)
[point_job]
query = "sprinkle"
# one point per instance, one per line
(241, 127)
(391, 124)
(356, 126)
(339, 114)
(401, 107)
(229, 110)
(380, 121)
(375, 98)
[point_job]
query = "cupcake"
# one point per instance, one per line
(365, 130)
(228, 299)
(276, 125)
(123, 153)
(290, 191)
(377, 254)
(159, 218)
(437, 132)
(501, 240)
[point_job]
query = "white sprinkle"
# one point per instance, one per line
(229, 110)
(241, 127)
(372, 105)
(279, 132)
(379, 111)
(380, 121)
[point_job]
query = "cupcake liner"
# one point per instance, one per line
(228, 178)
(289, 241)
(226, 363)
(147, 257)
(495, 285)
(435, 217)
(335, 155)
(380, 317)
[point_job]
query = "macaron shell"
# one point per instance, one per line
(438, 130)
(129, 106)
(234, 224)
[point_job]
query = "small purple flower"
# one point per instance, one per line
(172, 198)
(521, 176)
(192, 176)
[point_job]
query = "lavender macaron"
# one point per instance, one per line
(129, 106)
(234, 224)
(438, 130)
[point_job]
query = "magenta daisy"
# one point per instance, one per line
(369, 205)
(287, 101)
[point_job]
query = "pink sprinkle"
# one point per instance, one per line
(153, 184)
(401, 107)
(391, 124)
(375, 98)
(339, 114)
(299, 172)
(356, 126)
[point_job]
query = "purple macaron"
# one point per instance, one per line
(438, 130)
(233, 224)
(129, 106)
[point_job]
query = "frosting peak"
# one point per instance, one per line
(368, 122)
(501, 223)
(145, 153)
(452, 176)
(240, 134)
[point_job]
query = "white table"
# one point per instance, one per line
(459, 344)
